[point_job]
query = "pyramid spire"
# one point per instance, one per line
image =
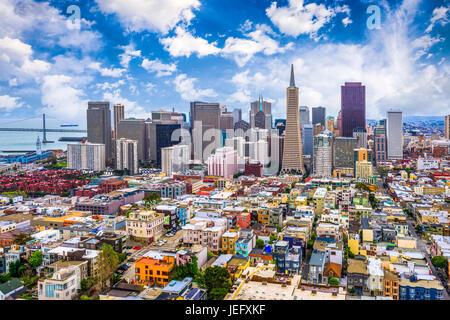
(292, 83)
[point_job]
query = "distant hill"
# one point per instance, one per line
(423, 118)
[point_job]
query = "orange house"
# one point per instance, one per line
(150, 271)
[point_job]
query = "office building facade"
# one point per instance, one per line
(353, 108)
(127, 155)
(323, 155)
(394, 135)
(99, 125)
(318, 116)
(86, 156)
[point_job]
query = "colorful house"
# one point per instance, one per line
(150, 271)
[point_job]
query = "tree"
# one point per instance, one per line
(333, 281)
(36, 259)
(14, 269)
(151, 200)
(216, 278)
(189, 269)
(439, 262)
(22, 239)
(122, 257)
(259, 243)
(108, 262)
(87, 283)
(272, 238)
(5, 277)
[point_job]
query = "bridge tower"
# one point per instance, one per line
(44, 138)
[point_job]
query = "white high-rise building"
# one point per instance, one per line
(323, 154)
(127, 155)
(223, 163)
(394, 134)
(238, 144)
(259, 152)
(175, 158)
(86, 156)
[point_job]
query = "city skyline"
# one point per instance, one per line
(168, 62)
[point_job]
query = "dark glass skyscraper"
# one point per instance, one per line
(353, 107)
(99, 125)
(318, 116)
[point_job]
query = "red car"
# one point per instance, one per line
(137, 248)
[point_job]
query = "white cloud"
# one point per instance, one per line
(160, 68)
(129, 53)
(133, 109)
(109, 86)
(185, 44)
(8, 103)
(243, 49)
(152, 15)
(186, 88)
(113, 72)
(440, 16)
(16, 60)
(297, 18)
(386, 64)
(61, 99)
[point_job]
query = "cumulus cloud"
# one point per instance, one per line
(133, 109)
(129, 53)
(440, 16)
(186, 88)
(8, 103)
(160, 68)
(387, 64)
(151, 15)
(61, 99)
(106, 72)
(298, 18)
(185, 44)
(243, 49)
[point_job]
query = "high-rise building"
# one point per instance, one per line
(447, 127)
(304, 116)
(226, 121)
(162, 115)
(330, 124)
(134, 129)
(323, 155)
(308, 139)
(380, 145)
(361, 135)
(343, 153)
(99, 125)
(353, 108)
(261, 114)
(175, 158)
(318, 116)
(86, 156)
(119, 114)
(363, 170)
(127, 155)
(360, 155)
(237, 115)
(293, 150)
(223, 163)
(161, 135)
(394, 134)
(204, 116)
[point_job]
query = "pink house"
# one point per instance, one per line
(223, 163)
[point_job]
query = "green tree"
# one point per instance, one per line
(5, 277)
(36, 259)
(108, 262)
(439, 262)
(259, 243)
(215, 278)
(333, 281)
(16, 269)
(189, 269)
(87, 283)
(273, 238)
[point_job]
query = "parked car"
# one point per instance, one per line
(137, 248)
(132, 260)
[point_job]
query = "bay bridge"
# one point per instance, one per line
(44, 130)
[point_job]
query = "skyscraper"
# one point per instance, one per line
(223, 163)
(175, 158)
(237, 115)
(380, 145)
(394, 134)
(99, 125)
(447, 127)
(330, 124)
(207, 116)
(134, 129)
(323, 155)
(318, 116)
(292, 151)
(353, 108)
(261, 114)
(361, 135)
(127, 155)
(304, 115)
(343, 153)
(119, 114)
(308, 139)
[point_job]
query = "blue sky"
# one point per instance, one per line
(153, 54)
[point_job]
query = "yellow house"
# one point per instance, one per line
(229, 239)
(318, 200)
(237, 265)
(406, 242)
(301, 201)
(367, 235)
(353, 244)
